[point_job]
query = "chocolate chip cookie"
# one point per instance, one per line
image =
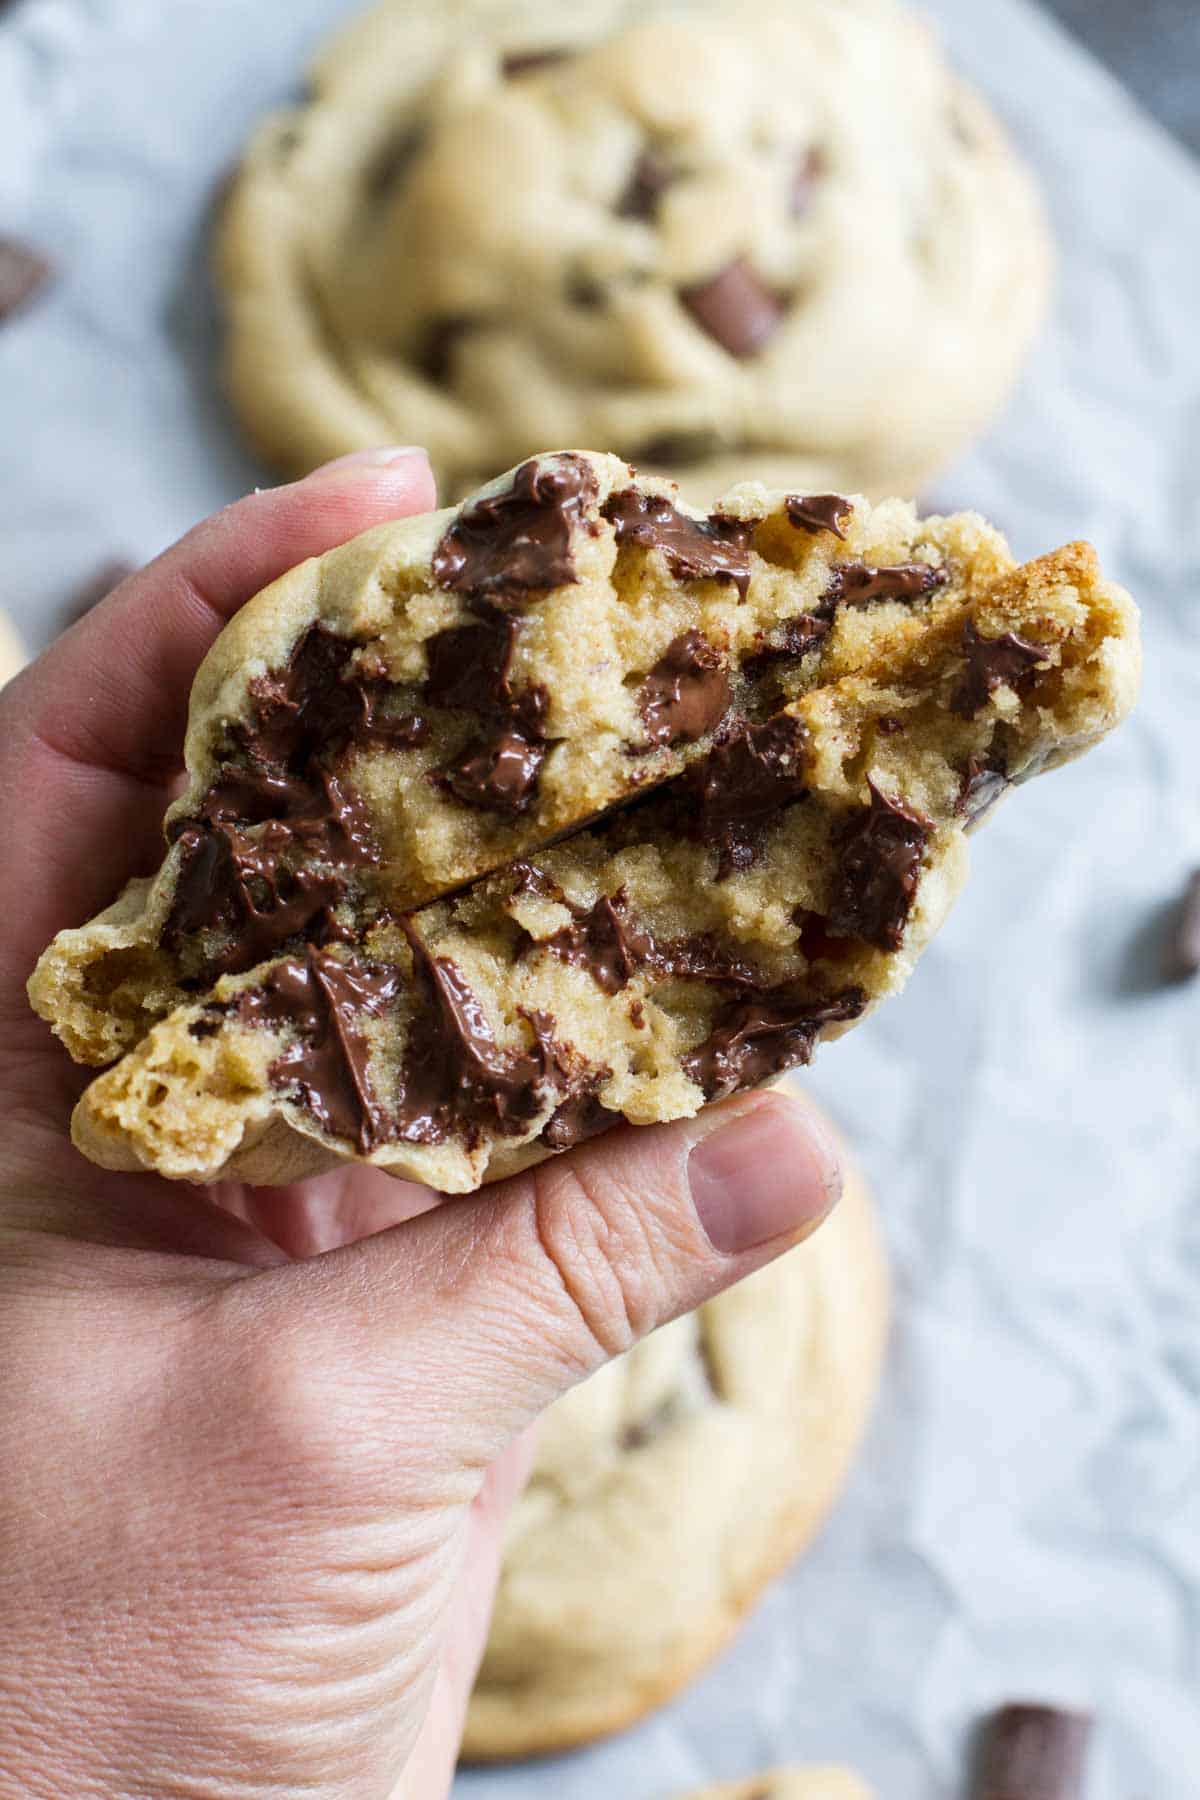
(566, 806)
(790, 1784)
(778, 240)
(672, 1485)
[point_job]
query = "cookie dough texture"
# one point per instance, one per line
(772, 240)
(810, 698)
(827, 1783)
(671, 1486)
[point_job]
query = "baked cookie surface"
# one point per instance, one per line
(564, 806)
(772, 240)
(672, 1485)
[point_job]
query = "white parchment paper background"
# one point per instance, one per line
(1027, 1515)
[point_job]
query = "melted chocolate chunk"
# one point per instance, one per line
(818, 512)
(456, 1076)
(500, 773)
(733, 793)
(735, 308)
(797, 638)
(273, 846)
(519, 542)
(702, 957)
(24, 273)
(651, 176)
(809, 169)
(816, 942)
(855, 583)
(523, 62)
(602, 940)
(686, 692)
(1008, 661)
(435, 355)
(676, 447)
(1031, 1752)
(879, 865)
(983, 781)
(755, 1038)
(469, 664)
(712, 549)
(323, 1001)
(576, 1120)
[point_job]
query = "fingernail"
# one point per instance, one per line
(773, 1171)
(384, 456)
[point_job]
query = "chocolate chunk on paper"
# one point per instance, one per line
(735, 308)
(1030, 1752)
(24, 272)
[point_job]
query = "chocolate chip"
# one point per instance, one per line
(97, 587)
(1007, 661)
(984, 780)
(754, 1039)
(686, 692)
(389, 164)
(889, 727)
(649, 180)
(508, 545)
(856, 583)
(435, 357)
(879, 866)
(1030, 1752)
(815, 941)
(712, 549)
(24, 273)
(809, 169)
(818, 512)
(469, 664)
(729, 798)
(735, 308)
(576, 1120)
(796, 639)
(603, 940)
(675, 448)
(320, 1001)
(523, 62)
(1183, 947)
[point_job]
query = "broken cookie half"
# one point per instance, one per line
(565, 806)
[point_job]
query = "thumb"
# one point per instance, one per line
(482, 1312)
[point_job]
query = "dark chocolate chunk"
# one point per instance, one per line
(1183, 948)
(809, 168)
(435, 355)
(275, 844)
(686, 692)
(818, 512)
(677, 447)
(879, 865)
(518, 542)
(702, 957)
(523, 62)
(469, 664)
(983, 781)
(603, 940)
(730, 796)
(796, 639)
(855, 583)
(1007, 661)
(576, 1120)
(24, 273)
(649, 180)
(889, 727)
(755, 1038)
(321, 1002)
(735, 308)
(500, 773)
(389, 164)
(712, 549)
(97, 587)
(1032, 1752)
(815, 941)
(456, 1076)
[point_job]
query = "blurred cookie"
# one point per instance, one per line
(672, 1485)
(812, 698)
(789, 1784)
(771, 240)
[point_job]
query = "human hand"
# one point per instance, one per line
(258, 1444)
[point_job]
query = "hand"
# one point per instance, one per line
(256, 1458)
